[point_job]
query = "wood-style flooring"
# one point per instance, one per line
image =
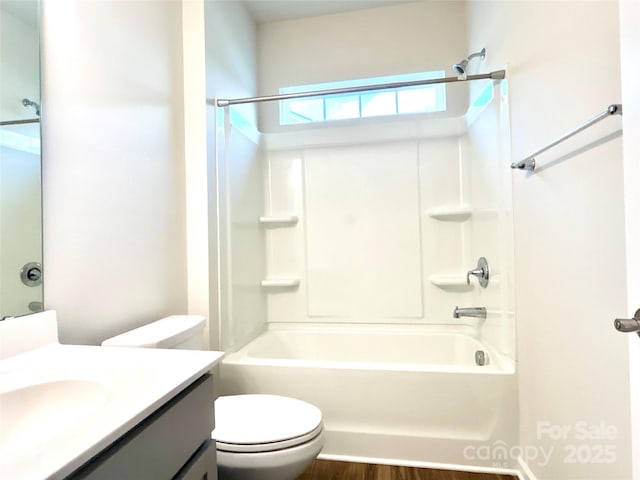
(329, 470)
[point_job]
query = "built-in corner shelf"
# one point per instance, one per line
(450, 281)
(451, 213)
(279, 220)
(280, 283)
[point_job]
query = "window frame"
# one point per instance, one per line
(293, 116)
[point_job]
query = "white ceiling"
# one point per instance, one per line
(261, 10)
(274, 10)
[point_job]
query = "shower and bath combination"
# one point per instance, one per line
(331, 324)
(461, 68)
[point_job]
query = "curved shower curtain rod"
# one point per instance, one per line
(497, 75)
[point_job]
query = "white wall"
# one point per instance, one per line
(117, 161)
(630, 63)
(563, 67)
(231, 49)
(200, 227)
(407, 38)
(114, 192)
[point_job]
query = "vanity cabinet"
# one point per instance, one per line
(173, 443)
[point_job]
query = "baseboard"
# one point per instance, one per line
(524, 472)
(433, 465)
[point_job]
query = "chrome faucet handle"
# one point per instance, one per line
(628, 325)
(478, 272)
(481, 271)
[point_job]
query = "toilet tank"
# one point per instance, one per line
(177, 331)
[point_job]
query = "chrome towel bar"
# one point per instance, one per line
(529, 163)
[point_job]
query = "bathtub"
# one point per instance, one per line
(409, 395)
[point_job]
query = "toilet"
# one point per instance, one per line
(258, 437)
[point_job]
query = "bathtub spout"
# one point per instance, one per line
(476, 312)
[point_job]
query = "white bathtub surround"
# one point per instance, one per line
(62, 404)
(362, 236)
(242, 240)
(397, 394)
(391, 214)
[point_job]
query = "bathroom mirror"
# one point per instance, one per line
(20, 160)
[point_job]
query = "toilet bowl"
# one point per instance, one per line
(265, 437)
(258, 437)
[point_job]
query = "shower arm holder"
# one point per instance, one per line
(481, 271)
(482, 54)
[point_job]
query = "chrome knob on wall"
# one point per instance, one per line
(628, 325)
(31, 274)
(481, 271)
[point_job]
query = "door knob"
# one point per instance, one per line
(628, 325)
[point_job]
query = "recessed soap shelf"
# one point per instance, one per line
(458, 213)
(278, 220)
(280, 283)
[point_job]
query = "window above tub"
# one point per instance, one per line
(373, 103)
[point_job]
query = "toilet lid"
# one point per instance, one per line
(251, 423)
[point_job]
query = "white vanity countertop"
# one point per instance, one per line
(62, 404)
